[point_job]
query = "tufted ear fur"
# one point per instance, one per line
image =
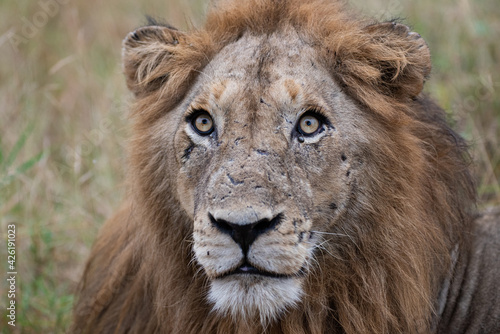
(406, 74)
(388, 59)
(147, 56)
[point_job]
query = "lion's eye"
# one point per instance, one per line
(203, 124)
(308, 125)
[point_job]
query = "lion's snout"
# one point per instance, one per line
(244, 233)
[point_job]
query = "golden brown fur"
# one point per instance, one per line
(407, 195)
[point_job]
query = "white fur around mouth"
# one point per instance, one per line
(246, 296)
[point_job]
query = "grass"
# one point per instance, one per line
(63, 124)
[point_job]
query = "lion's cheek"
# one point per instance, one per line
(217, 254)
(279, 254)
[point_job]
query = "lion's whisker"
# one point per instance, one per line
(331, 233)
(322, 248)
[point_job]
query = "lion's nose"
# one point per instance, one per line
(244, 234)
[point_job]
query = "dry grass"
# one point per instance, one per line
(63, 123)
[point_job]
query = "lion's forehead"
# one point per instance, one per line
(260, 56)
(276, 69)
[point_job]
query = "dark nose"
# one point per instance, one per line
(244, 234)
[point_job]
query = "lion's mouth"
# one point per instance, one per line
(247, 269)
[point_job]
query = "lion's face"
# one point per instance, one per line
(266, 168)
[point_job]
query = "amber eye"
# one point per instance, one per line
(308, 125)
(202, 123)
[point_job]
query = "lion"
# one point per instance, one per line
(288, 175)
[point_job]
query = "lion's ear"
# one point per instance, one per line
(402, 56)
(147, 52)
(387, 58)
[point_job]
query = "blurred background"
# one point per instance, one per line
(63, 123)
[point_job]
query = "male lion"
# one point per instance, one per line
(288, 176)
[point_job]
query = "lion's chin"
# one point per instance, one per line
(245, 296)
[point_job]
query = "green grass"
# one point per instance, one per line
(63, 124)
